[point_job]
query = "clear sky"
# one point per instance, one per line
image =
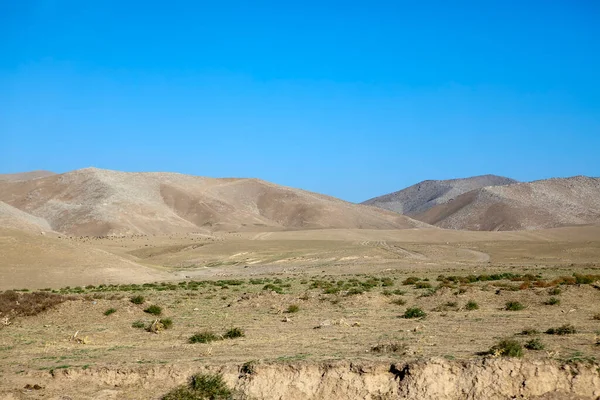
(348, 98)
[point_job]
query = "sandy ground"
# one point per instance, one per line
(326, 327)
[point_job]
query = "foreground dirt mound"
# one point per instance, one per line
(99, 202)
(542, 204)
(427, 194)
(490, 379)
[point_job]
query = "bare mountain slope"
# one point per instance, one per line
(92, 201)
(427, 194)
(535, 205)
(11, 217)
(25, 176)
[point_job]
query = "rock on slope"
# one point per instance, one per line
(93, 201)
(427, 194)
(535, 205)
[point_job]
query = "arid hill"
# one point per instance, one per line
(100, 202)
(535, 205)
(11, 217)
(25, 176)
(427, 194)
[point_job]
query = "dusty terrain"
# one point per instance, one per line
(351, 292)
(96, 202)
(424, 195)
(521, 206)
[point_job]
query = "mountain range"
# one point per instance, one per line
(98, 202)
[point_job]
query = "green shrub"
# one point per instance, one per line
(514, 306)
(386, 293)
(137, 299)
(354, 291)
(399, 302)
(507, 348)
(387, 282)
(555, 291)
(399, 292)
(234, 333)
(138, 324)
(110, 311)
(411, 280)
(201, 387)
(293, 308)
(534, 344)
(472, 305)
(154, 310)
(414, 312)
(274, 288)
(552, 301)
(203, 337)
(566, 329)
(167, 323)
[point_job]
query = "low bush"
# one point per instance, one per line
(514, 306)
(472, 305)
(411, 280)
(534, 344)
(154, 310)
(293, 308)
(566, 329)
(201, 387)
(234, 333)
(204, 337)
(138, 324)
(137, 300)
(110, 311)
(507, 348)
(399, 302)
(167, 323)
(552, 301)
(414, 312)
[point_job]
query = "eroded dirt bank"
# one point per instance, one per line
(433, 379)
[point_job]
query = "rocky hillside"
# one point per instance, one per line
(535, 205)
(427, 194)
(99, 202)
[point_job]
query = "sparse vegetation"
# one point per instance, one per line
(167, 323)
(234, 333)
(596, 317)
(530, 331)
(514, 306)
(138, 324)
(204, 337)
(414, 312)
(534, 344)
(507, 348)
(201, 387)
(154, 310)
(293, 308)
(472, 305)
(552, 301)
(555, 291)
(13, 304)
(110, 311)
(394, 347)
(566, 329)
(399, 302)
(137, 299)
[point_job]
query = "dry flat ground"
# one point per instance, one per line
(350, 288)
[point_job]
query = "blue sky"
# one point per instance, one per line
(351, 99)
